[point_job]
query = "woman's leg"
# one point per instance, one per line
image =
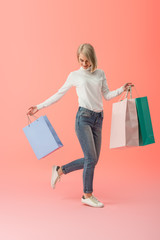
(86, 139)
(72, 166)
(88, 130)
(97, 135)
(76, 164)
(79, 163)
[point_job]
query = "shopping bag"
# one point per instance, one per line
(124, 123)
(42, 137)
(146, 135)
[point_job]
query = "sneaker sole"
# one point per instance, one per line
(90, 204)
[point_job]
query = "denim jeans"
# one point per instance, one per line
(88, 127)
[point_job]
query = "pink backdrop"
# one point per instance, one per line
(38, 45)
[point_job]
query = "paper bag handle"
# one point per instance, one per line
(129, 90)
(125, 94)
(29, 120)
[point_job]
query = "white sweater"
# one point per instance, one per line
(89, 87)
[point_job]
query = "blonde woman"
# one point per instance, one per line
(90, 83)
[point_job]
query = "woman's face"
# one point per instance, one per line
(84, 62)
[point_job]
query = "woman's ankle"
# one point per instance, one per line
(60, 171)
(87, 195)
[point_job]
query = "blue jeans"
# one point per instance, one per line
(88, 126)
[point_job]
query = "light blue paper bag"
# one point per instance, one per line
(42, 137)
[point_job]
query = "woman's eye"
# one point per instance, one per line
(83, 61)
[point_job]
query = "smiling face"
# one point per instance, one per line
(84, 62)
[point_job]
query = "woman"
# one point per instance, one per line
(91, 84)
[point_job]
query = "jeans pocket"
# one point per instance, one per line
(85, 114)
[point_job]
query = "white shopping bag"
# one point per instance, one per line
(124, 124)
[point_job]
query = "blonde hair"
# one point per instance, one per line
(88, 50)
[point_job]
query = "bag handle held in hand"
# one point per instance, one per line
(129, 90)
(29, 120)
(125, 94)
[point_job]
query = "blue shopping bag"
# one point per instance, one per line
(42, 137)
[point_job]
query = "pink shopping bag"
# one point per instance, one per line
(124, 123)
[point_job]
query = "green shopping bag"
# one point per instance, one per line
(146, 135)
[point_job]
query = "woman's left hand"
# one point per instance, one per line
(127, 85)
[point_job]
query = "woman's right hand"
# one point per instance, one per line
(32, 110)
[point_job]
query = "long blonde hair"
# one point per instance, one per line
(88, 50)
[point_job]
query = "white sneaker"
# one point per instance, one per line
(92, 201)
(55, 176)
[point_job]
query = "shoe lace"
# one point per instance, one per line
(93, 197)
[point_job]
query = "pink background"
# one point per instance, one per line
(38, 45)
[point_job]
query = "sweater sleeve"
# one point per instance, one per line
(107, 94)
(58, 95)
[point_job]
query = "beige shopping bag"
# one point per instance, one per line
(124, 123)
